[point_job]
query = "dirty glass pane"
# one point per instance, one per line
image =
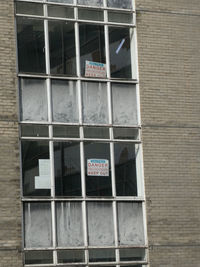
(92, 45)
(100, 255)
(37, 225)
(61, 1)
(95, 108)
(98, 169)
(38, 257)
(66, 131)
(124, 104)
(30, 43)
(120, 56)
(64, 101)
(100, 223)
(36, 168)
(126, 133)
(125, 169)
(34, 130)
(29, 8)
(127, 4)
(90, 14)
(91, 2)
(67, 169)
(69, 224)
(130, 223)
(132, 254)
(62, 48)
(67, 256)
(120, 17)
(60, 11)
(96, 132)
(33, 100)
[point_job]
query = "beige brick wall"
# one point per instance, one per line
(169, 65)
(10, 210)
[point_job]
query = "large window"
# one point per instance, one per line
(82, 183)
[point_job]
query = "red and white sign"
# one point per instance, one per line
(97, 167)
(95, 69)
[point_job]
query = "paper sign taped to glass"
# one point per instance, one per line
(95, 69)
(97, 167)
(43, 181)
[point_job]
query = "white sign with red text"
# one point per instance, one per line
(95, 69)
(97, 167)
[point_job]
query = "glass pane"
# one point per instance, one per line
(130, 223)
(33, 100)
(127, 4)
(91, 2)
(96, 132)
(126, 133)
(98, 255)
(31, 48)
(124, 104)
(34, 130)
(92, 49)
(120, 17)
(67, 256)
(65, 101)
(97, 169)
(38, 257)
(36, 168)
(69, 224)
(95, 108)
(60, 11)
(67, 169)
(62, 47)
(90, 14)
(120, 56)
(66, 131)
(100, 223)
(29, 8)
(61, 1)
(132, 254)
(125, 169)
(37, 225)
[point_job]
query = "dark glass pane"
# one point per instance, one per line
(67, 256)
(92, 44)
(97, 169)
(38, 257)
(61, 1)
(120, 56)
(60, 11)
(29, 8)
(96, 132)
(98, 255)
(34, 130)
(90, 14)
(67, 169)
(120, 17)
(66, 131)
(31, 48)
(126, 133)
(125, 169)
(132, 254)
(36, 168)
(62, 48)
(127, 4)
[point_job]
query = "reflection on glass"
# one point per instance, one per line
(37, 225)
(92, 44)
(61, 1)
(67, 256)
(120, 56)
(33, 100)
(30, 43)
(100, 223)
(65, 101)
(96, 132)
(91, 2)
(124, 104)
(38, 257)
(125, 169)
(90, 14)
(67, 169)
(132, 254)
(29, 8)
(98, 174)
(36, 168)
(120, 17)
(62, 48)
(127, 4)
(66, 131)
(130, 223)
(69, 224)
(126, 133)
(95, 108)
(34, 130)
(98, 255)
(60, 11)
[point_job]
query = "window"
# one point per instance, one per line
(83, 199)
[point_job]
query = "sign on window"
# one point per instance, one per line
(97, 167)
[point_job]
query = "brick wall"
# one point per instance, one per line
(10, 213)
(169, 68)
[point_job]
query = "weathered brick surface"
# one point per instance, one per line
(169, 65)
(10, 210)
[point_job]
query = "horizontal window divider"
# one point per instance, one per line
(117, 263)
(87, 199)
